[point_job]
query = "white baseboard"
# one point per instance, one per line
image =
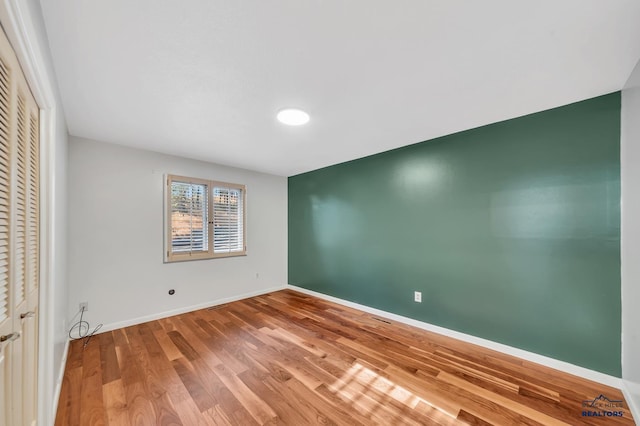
(576, 370)
(60, 377)
(631, 393)
(178, 311)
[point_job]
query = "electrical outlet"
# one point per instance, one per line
(417, 296)
(84, 305)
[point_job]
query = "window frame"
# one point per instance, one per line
(169, 255)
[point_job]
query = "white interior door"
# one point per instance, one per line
(7, 300)
(19, 243)
(28, 316)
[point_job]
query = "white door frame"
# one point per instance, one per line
(18, 24)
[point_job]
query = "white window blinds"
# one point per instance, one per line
(205, 219)
(189, 217)
(228, 229)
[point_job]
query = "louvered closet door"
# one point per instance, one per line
(19, 243)
(6, 314)
(29, 319)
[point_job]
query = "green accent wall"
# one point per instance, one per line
(511, 231)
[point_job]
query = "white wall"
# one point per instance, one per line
(116, 238)
(58, 291)
(630, 163)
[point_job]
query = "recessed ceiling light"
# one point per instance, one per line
(293, 117)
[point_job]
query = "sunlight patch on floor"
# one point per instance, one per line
(369, 379)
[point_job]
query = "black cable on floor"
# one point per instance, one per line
(79, 325)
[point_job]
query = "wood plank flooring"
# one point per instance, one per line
(289, 358)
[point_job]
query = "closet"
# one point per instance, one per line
(19, 242)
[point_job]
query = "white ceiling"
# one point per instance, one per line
(204, 78)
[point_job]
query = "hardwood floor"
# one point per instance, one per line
(289, 358)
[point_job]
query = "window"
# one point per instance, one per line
(205, 219)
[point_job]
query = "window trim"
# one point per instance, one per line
(169, 256)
